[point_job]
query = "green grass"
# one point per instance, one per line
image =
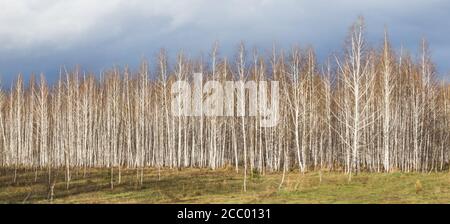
(226, 186)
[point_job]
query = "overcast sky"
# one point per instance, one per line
(41, 35)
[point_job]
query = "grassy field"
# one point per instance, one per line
(225, 186)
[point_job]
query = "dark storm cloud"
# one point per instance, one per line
(40, 36)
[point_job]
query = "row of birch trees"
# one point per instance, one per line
(369, 109)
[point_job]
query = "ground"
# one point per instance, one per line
(226, 186)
